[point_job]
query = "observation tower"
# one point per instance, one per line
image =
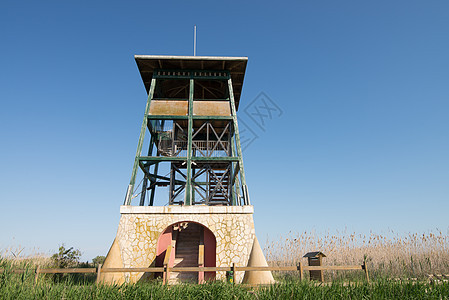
(187, 202)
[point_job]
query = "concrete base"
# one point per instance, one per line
(141, 226)
(257, 259)
(113, 260)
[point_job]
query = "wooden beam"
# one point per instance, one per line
(65, 271)
(131, 270)
(328, 268)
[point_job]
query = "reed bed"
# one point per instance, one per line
(388, 255)
(15, 258)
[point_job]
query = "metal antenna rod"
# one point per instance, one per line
(194, 40)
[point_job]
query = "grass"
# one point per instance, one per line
(13, 286)
(21, 286)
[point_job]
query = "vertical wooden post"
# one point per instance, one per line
(300, 271)
(36, 275)
(98, 273)
(365, 267)
(165, 275)
(166, 264)
(233, 273)
(201, 256)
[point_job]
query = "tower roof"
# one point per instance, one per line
(235, 65)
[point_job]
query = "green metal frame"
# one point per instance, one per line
(129, 191)
(145, 162)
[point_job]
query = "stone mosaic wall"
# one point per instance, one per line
(140, 228)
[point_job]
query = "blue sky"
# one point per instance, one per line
(362, 142)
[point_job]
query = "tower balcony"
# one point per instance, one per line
(200, 148)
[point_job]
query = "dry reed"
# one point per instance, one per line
(392, 255)
(16, 258)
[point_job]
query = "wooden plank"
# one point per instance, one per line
(169, 108)
(74, 270)
(211, 108)
(324, 268)
(17, 271)
(145, 270)
(215, 269)
(199, 269)
(289, 268)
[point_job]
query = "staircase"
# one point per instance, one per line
(186, 254)
(221, 195)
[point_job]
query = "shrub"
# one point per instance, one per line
(66, 258)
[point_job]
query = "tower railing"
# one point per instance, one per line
(201, 148)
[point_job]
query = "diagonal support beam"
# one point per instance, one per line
(237, 144)
(130, 189)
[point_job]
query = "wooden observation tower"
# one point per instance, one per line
(191, 199)
(191, 120)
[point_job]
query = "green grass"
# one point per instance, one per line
(79, 286)
(21, 286)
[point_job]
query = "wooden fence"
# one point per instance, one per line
(166, 270)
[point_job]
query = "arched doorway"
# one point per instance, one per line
(192, 245)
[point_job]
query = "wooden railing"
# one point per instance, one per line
(166, 269)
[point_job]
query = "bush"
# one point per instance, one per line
(98, 260)
(66, 258)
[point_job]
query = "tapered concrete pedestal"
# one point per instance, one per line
(142, 228)
(257, 259)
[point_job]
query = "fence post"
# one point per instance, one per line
(365, 267)
(36, 275)
(166, 264)
(165, 275)
(233, 273)
(98, 273)
(300, 271)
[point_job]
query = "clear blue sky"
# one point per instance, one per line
(362, 142)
